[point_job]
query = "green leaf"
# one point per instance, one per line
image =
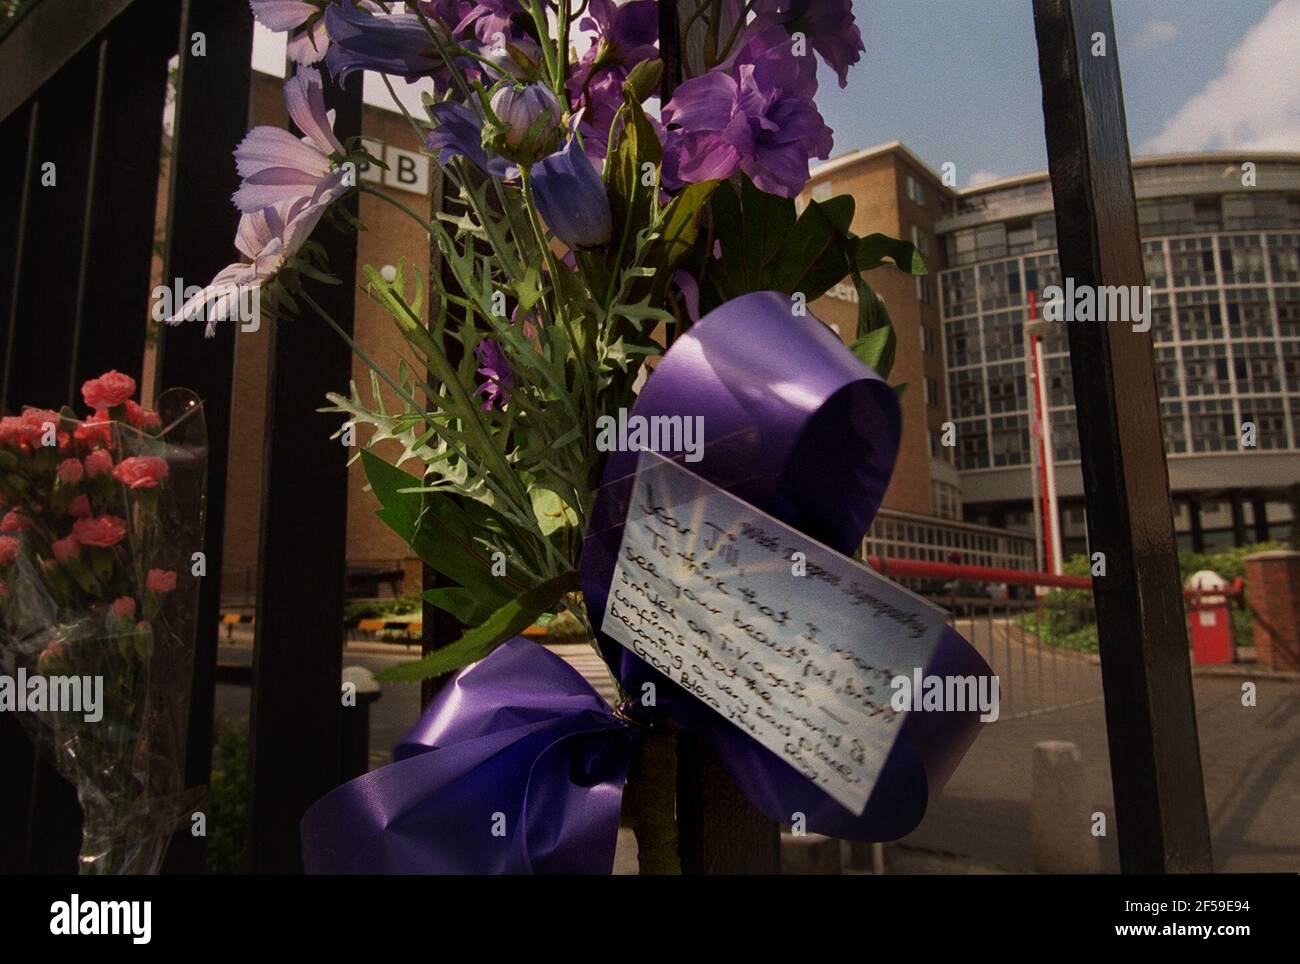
(437, 529)
(506, 622)
(871, 251)
(460, 602)
(870, 348)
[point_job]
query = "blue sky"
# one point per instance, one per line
(957, 80)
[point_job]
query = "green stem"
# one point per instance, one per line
(650, 802)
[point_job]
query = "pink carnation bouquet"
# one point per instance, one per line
(101, 525)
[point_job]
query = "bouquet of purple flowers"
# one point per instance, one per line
(613, 172)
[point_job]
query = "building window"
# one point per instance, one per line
(925, 290)
(1284, 257)
(1205, 368)
(1242, 259)
(1269, 419)
(972, 445)
(1010, 440)
(1065, 436)
(1199, 318)
(929, 340)
(915, 192)
(920, 240)
(1000, 285)
(959, 293)
(966, 392)
(1213, 425)
(1248, 314)
(931, 392)
(1193, 261)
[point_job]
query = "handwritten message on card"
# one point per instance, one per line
(791, 641)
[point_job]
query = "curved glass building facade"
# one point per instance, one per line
(1221, 240)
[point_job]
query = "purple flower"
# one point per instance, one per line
(275, 165)
(307, 43)
(827, 24)
(460, 134)
(487, 19)
(267, 238)
(624, 36)
(531, 115)
(571, 197)
(499, 377)
(754, 115)
(395, 44)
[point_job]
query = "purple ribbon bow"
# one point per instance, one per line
(518, 766)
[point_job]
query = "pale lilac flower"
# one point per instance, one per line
(307, 42)
(754, 115)
(531, 114)
(268, 238)
(275, 165)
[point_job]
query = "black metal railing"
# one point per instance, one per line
(82, 88)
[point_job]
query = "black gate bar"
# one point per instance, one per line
(1150, 713)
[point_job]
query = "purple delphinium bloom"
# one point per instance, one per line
(395, 44)
(754, 115)
(486, 19)
(571, 197)
(275, 165)
(460, 134)
(499, 377)
(622, 37)
(827, 24)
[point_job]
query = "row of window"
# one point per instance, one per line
(1188, 263)
(1195, 425)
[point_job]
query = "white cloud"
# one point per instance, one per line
(1254, 103)
(982, 177)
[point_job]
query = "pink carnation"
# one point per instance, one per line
(141, 418)
(109, 390)
(96, 430)
(160, 580)
(79, 508)
(139, 471)
(102, 531)
(98, 463)
(8, 550)
(71, 471)
(123, 607)
(13, 521)
(66, 549)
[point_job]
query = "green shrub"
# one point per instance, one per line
(1064, 617)
(380, 608)
(229, 797)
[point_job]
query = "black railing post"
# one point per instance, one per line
(1150, 714)
(298, 645)
(211, 116)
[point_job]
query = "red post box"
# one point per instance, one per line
(1211, 622)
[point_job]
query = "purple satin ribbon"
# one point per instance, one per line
(520, 744)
